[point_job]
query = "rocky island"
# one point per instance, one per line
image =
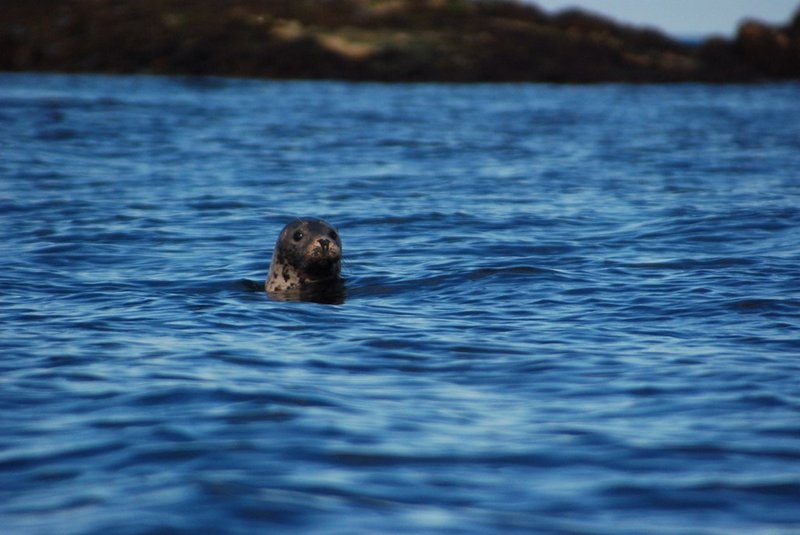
(378, 40)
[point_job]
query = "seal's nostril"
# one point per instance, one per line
(324, 244)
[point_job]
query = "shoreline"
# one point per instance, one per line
(456, 41)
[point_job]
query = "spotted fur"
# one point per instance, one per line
(308, 254)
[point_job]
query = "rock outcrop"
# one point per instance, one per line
(772, 52)
(385, 40)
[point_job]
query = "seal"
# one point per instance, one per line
(307, 261)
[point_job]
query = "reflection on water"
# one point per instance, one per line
(328, 293)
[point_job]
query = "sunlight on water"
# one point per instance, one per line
(569, 309)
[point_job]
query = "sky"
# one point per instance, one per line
(683, 18)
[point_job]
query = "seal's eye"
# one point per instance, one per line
(298, 235)
(333, 235)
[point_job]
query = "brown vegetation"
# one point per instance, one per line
(389, 40)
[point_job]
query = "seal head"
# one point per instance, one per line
(307, 260)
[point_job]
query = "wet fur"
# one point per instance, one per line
(312, 262)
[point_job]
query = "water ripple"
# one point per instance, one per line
(565, 313)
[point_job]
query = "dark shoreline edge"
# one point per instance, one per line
(378, 40)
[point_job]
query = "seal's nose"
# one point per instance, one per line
(324, 245)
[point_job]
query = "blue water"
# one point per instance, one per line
(569, 309)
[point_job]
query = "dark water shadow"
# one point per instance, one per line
(327, 293)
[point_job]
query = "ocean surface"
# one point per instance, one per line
(570, 309)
